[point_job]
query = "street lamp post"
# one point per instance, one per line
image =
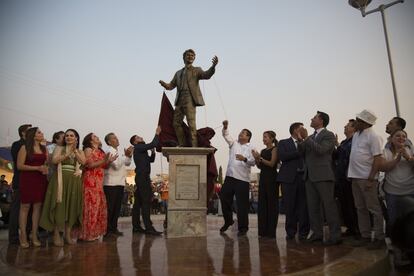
(361, 5)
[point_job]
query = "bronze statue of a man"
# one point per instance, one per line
(188, 95)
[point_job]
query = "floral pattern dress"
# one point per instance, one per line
(94, 204)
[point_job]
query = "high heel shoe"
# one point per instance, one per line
(57, 241)
(24, 244)
(69, 240)
(36, 243)
(34, 239)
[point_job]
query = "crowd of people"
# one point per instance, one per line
(324, 182)
(80, 192)
(62, 188)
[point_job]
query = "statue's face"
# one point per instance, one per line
(189, 58)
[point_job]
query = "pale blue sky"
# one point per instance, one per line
(95, 65)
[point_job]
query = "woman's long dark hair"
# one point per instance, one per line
(76, 135)
(29, 142)
(272, 135)
(87, 141)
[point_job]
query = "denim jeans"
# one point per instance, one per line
(396, 206)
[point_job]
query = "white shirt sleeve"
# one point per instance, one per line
(376, 145)
(227, 137)
(250, 158)
(127, 161)
(117, 163)
(387, 154)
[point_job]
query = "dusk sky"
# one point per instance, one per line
(95, 65)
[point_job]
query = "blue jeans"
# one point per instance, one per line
(396, 206)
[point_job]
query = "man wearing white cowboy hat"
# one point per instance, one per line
(363, 170)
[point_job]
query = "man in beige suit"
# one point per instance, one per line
(188, 95)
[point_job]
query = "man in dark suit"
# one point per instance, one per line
(143, 192)
(319, 178)
(15, 205)
(293, 185)
(343, 188)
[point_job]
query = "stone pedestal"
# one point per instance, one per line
(187, 191)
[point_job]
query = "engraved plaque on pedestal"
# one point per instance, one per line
(187, 181)
(187, 204)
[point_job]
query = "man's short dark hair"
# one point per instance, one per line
(23, 129)
(324, 117)
(249, 133)
(294, 126)
(132, 139)
(107, 137)
(188, 51)
(400, 122)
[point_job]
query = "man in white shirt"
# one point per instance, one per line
(363, 170)
(114, 181)
(237, 180)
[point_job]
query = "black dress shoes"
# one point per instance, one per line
(14, 241)
(314, 239)
(118, 233)
(242, 233)
(138, 229)
(152, 231)
(361, 242)
(376, 244)
(332, 242)
(225, 227)
(349, 233)
(290, 237)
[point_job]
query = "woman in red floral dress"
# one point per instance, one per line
(94, 203)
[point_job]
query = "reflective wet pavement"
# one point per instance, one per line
(228, 254)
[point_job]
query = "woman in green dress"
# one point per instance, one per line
(62, 209)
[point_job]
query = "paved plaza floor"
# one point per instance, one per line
(216, 254)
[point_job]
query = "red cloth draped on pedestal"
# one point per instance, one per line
(169, 139)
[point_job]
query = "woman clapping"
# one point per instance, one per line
(64, 198)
